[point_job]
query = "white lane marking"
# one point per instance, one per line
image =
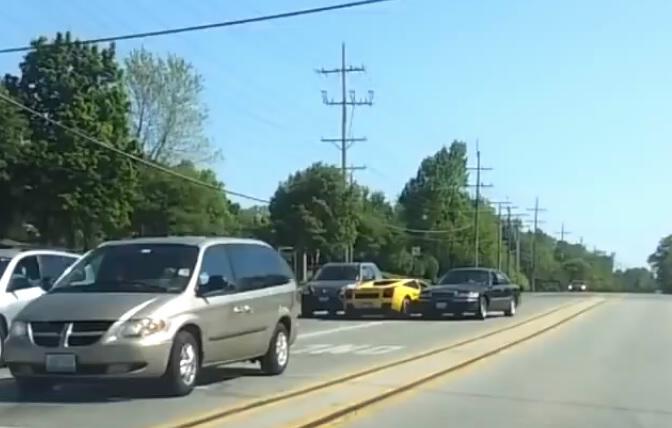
(383, 349)
(338, 329)
(347, 348)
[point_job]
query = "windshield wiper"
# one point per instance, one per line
(113, 286)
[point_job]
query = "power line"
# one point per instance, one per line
(243, 21)
(169, 171)
(133, 157)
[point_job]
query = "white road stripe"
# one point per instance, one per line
(339, 329)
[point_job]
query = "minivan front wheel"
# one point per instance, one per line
(183, 365)
(275, 361)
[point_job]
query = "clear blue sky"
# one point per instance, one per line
(571, 100)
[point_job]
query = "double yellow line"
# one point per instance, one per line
(223, 415)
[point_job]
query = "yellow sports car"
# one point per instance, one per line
(383, 296)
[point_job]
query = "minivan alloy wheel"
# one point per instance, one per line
(188, 363)
(282, 349)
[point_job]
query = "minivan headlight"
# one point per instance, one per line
(143, 327)
(19, 329)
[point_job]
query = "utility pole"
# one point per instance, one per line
(477, 202)
(508, 240)
(352, 169)
(536, 210)
(563, 232)
(344, 142)
(500, 233)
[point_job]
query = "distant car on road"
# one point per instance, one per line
(25, 274)
(470, 290)
(325, 292)
(158, 308)
(384, 296)
(577, 286)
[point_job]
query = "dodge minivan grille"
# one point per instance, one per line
(52, 334)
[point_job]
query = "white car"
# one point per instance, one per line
(25, 274)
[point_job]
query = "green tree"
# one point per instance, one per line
(661, 262)
(167, 114)
(14, 136)
(168, 205)
(315, 210)
(636, 280)
(78, 191)
(435, 199)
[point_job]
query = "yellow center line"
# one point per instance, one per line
(335, 416)
(202, 418)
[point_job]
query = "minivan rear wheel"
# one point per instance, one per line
(275, 361)
(183, 365)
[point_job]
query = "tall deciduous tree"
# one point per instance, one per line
(315, 210)
(661, 262)
(79, 191)
(167, 113)
(169, 205)
(436, 199)
(14, 136)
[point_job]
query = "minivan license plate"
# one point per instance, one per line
(323, 299)
(61, 363)
(441, 305)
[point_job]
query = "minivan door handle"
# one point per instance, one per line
(244, 309)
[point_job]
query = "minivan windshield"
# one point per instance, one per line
(338, 273)
(466, 276)
(140, 268)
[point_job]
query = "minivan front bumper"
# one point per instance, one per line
(128, 360)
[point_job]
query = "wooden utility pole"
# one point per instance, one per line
(536, 211)
(344, 142)
(477, 202)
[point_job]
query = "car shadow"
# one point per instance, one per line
(107, 392)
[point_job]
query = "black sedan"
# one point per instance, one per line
(474, 291)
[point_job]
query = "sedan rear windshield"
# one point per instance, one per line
(338, 273)
(466, 276)
(141, 268)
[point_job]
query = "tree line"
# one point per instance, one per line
(63, 181)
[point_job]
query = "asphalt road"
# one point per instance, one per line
(608, 368)
(325, 348)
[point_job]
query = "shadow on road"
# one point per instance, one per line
(73, 393)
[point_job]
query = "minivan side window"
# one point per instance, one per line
(257, 266)
(216, 263)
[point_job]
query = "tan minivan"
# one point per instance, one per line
(158, 308)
